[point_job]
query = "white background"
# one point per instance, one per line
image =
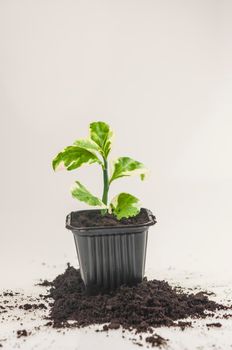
(159, 72)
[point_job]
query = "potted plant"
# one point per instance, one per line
(110, 241)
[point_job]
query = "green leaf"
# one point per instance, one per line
(81, 193)
(125, 166)
(87, 144)
(101, 134)
(125, 205)
(73, 157)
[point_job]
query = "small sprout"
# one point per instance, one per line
(96, 149)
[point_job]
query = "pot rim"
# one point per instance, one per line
(151, 221)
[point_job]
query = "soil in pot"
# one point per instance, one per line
(93, 218)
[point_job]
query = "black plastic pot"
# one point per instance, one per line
(110, 256)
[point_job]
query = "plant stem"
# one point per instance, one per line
(105, 182)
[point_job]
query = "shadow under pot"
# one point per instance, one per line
(111, 255)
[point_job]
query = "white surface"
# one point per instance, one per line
(160, 73)
(198, 337)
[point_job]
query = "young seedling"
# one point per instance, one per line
(96, 149)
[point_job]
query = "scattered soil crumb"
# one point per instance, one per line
(22, 333)
(44, 283)
(8, 294)
(156, 340)
(28, 306)
(215, 324)
(137, 343)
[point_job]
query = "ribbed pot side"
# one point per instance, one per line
(111, 256)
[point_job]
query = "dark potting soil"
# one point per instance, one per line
(94, 218)
(149, 304)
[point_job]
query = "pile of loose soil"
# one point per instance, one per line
(94, 218)
(141, 307)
